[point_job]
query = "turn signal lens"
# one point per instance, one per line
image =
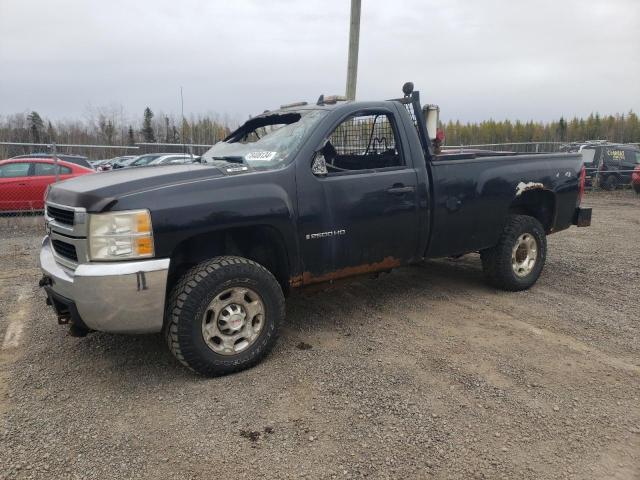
(143, 222)
(144, 246)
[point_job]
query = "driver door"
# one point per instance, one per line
(361, 214)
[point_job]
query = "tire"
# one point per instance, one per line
(498, 262)
(610, 183)
(636, 187)
(216, 302)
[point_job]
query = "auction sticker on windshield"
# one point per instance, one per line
(264, 156)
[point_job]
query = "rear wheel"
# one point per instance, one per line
(610, 183)
(516, 262)
(223, 315)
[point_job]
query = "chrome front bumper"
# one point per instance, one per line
(122, 297)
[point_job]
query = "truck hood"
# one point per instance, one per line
(100, 191)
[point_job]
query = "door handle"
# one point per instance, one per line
(400, 190)
(22, 184)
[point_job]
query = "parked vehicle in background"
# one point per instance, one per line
(109, 163)
(77, 159)
(613, 163)
(104, 166)
(635, 179)
(616, 165)
(24, 181)
(124, 162)
(175, 159)
(101, 165)
(142, 160)
(303, 195)
(590, 163)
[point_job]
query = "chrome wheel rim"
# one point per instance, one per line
(524, 255)
(233, 320)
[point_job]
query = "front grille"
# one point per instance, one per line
(60, 215)
(65, 250)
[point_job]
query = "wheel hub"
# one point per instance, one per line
(524, 255)
(233, 320)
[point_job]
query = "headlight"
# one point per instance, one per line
(120, 235)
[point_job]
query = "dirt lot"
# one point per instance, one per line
(423, 373)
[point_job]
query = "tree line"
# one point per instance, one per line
(110, 126)
(621, 128)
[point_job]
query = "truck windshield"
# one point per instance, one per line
(265, 142)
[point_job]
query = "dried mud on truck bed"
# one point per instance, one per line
(423, 373)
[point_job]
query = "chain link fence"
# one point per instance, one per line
(31, 167)
(517, 147)
(25, 179)
(34, 166)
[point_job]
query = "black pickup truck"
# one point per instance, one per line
(302, 195)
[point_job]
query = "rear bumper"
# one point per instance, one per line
(122, 297)
(582, 217)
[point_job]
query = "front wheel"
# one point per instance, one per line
(516, 262)
(223, 315)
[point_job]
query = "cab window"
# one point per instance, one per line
(363, 142)
(13, 170)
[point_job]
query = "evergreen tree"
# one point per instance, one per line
(131, 137)
(36, 126)
(147, 129)
(562, 130)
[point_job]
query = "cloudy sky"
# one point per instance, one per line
(477, 59)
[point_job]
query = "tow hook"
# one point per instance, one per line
(45, 281)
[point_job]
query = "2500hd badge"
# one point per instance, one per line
(331, 233)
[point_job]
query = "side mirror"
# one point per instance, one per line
(319, 165)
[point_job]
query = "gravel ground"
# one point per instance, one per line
(423, 373)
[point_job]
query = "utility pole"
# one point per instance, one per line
(354, 43)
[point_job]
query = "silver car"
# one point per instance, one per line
(175, 159)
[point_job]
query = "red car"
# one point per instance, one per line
(635, 179)
(23, 181)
